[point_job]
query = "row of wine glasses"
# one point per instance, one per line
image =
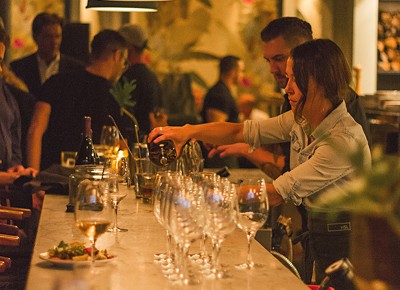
(200, 205)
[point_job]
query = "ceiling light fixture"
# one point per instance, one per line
(122, 5)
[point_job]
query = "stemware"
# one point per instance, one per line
(252, 208)
(191, 159)
(184, 224)
(220, 217)
(160, 193)
(93, 212)
(116, 184)
(109, 138)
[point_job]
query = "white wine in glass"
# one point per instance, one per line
(109, 138)
(93, 212)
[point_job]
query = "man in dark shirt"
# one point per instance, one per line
(219, 104)
(147, 94)
(67, 97)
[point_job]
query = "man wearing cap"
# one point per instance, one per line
(148, 93)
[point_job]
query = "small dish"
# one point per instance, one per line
(59, 262)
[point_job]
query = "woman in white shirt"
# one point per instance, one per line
(321, 132)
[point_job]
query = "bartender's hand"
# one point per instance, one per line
(178, 135)
(237, 150)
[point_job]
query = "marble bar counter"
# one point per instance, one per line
(134, 267)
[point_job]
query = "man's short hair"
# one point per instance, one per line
(228, 63)
(4, 38)
(293, 30)
(43, 19)
(107, 41)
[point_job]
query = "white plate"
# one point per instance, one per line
(45, 256)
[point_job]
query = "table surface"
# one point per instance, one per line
(134, 266)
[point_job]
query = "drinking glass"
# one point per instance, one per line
(191, 159)
(184, 224)
(109, 138)
(93, 212)
(116, 185)
(220, 217)
(160, 191)
(142, 166)
(252, 208)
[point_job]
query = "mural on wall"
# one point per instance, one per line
(388, 37)
(23, 12)
(192, 36)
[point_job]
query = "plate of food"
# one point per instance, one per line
(65, 254)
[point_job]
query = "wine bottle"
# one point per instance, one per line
(162, 153)
(86, 154)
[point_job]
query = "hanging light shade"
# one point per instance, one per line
(122, 5)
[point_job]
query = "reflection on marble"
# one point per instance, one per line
(134, 267)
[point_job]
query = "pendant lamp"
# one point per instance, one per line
(122, 5)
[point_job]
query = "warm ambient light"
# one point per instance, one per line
(122, 6)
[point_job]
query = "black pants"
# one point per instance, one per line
(328, 240)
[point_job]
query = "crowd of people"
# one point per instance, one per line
(44, 97)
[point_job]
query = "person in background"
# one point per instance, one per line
(147, 94)
(26, 101)
(11, 167)
(36, 68)
(318, 127)
(220, 105)
(279, 37)
(67, 97)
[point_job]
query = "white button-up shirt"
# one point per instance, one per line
(317, 165)
(47, 70)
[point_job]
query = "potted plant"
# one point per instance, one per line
(373, 198)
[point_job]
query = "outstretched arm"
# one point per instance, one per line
(217, 133)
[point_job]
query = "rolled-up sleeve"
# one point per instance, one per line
(269, 131)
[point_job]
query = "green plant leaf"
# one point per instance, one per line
(122, 93)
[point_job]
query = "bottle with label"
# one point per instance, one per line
(162, 153)
(86, 154)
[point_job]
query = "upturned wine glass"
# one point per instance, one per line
(252, 208)
(93, 212)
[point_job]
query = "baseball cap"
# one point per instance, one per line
(134, 35)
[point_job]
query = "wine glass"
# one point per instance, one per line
(185, 225)
(252, 208)
(160, 192)
(93, 212)
(116, 185)
(220, 217)
(109, 138)
(191, 159)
